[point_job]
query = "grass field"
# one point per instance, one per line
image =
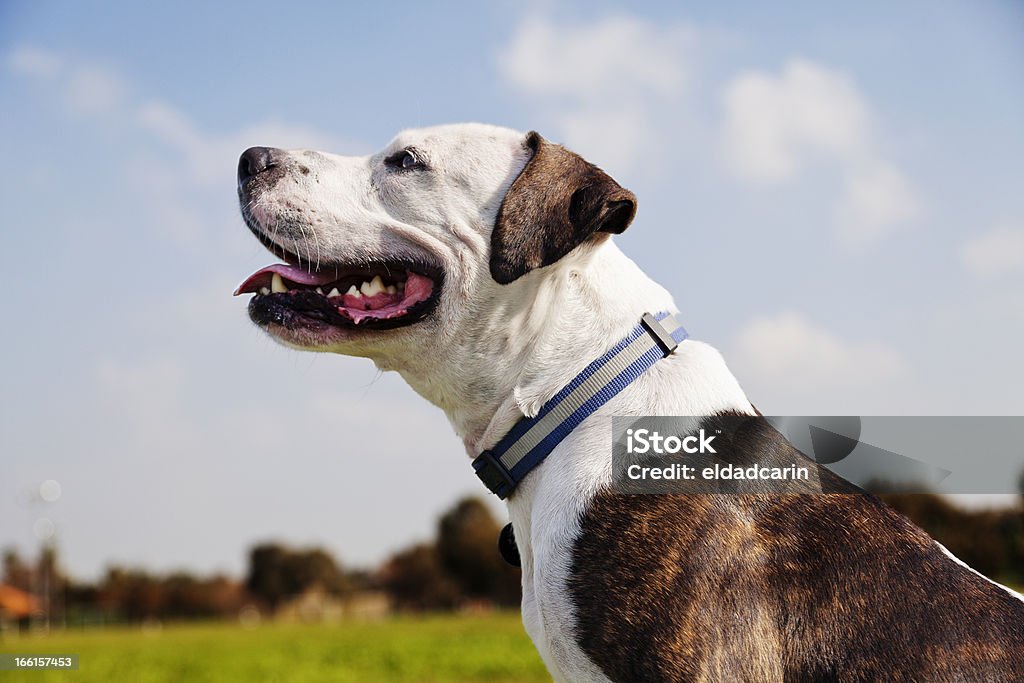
(434, 648)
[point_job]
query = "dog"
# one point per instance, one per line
(478, 262)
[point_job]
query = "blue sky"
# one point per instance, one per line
(833, 194)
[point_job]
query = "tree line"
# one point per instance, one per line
(460, 567)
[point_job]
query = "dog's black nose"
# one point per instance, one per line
(254, 161)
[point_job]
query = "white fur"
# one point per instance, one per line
(493, 353)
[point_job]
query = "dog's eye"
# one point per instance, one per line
(404, 159)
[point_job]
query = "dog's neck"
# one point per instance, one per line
(511, 361)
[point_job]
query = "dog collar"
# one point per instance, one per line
(532, 439)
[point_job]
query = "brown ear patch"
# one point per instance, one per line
(556, 203)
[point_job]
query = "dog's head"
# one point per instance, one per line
(404, 245)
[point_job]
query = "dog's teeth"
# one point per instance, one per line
(376, 286)
(352, 291)
(277, 284)
(264, 291)
(319, 290)
(334, 292)
(390, 289)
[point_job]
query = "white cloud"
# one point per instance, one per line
(999, 251)
(84, 88)
(789, 352)
(91, 89)
(94, 90)
(35, 62)
(777, 126)
(177, 157)
(874, 201)
(603, 60)
(603, 83)
(774, 125)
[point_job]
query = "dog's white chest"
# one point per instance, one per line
(546, 553)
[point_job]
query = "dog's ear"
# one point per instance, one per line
(556, 203)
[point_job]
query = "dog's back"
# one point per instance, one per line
(801, 587)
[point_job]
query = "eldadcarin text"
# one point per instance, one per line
(645, 441)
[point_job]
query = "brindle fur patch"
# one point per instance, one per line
(795, 587)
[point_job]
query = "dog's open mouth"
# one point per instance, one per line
(376, 296)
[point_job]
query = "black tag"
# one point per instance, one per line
(507, 546)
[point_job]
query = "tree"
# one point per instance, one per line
(130, 594)
(267, 574)
(467, 544)
(51, 584)
(276, 573)
(316, 567)
(189, 597)
(415, 579)
(17, 573)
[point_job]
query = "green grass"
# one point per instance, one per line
(433, 648)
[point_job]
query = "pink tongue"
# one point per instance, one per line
(418, 287)
(298, 275)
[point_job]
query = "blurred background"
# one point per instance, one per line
(833, 194)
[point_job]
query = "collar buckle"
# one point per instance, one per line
(662, 336)
(494, 475)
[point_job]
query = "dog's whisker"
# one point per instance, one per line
(316, 237)
(305, 243)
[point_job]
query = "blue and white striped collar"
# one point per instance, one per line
(532, 439)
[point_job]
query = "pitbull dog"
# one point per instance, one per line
(477, 262)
